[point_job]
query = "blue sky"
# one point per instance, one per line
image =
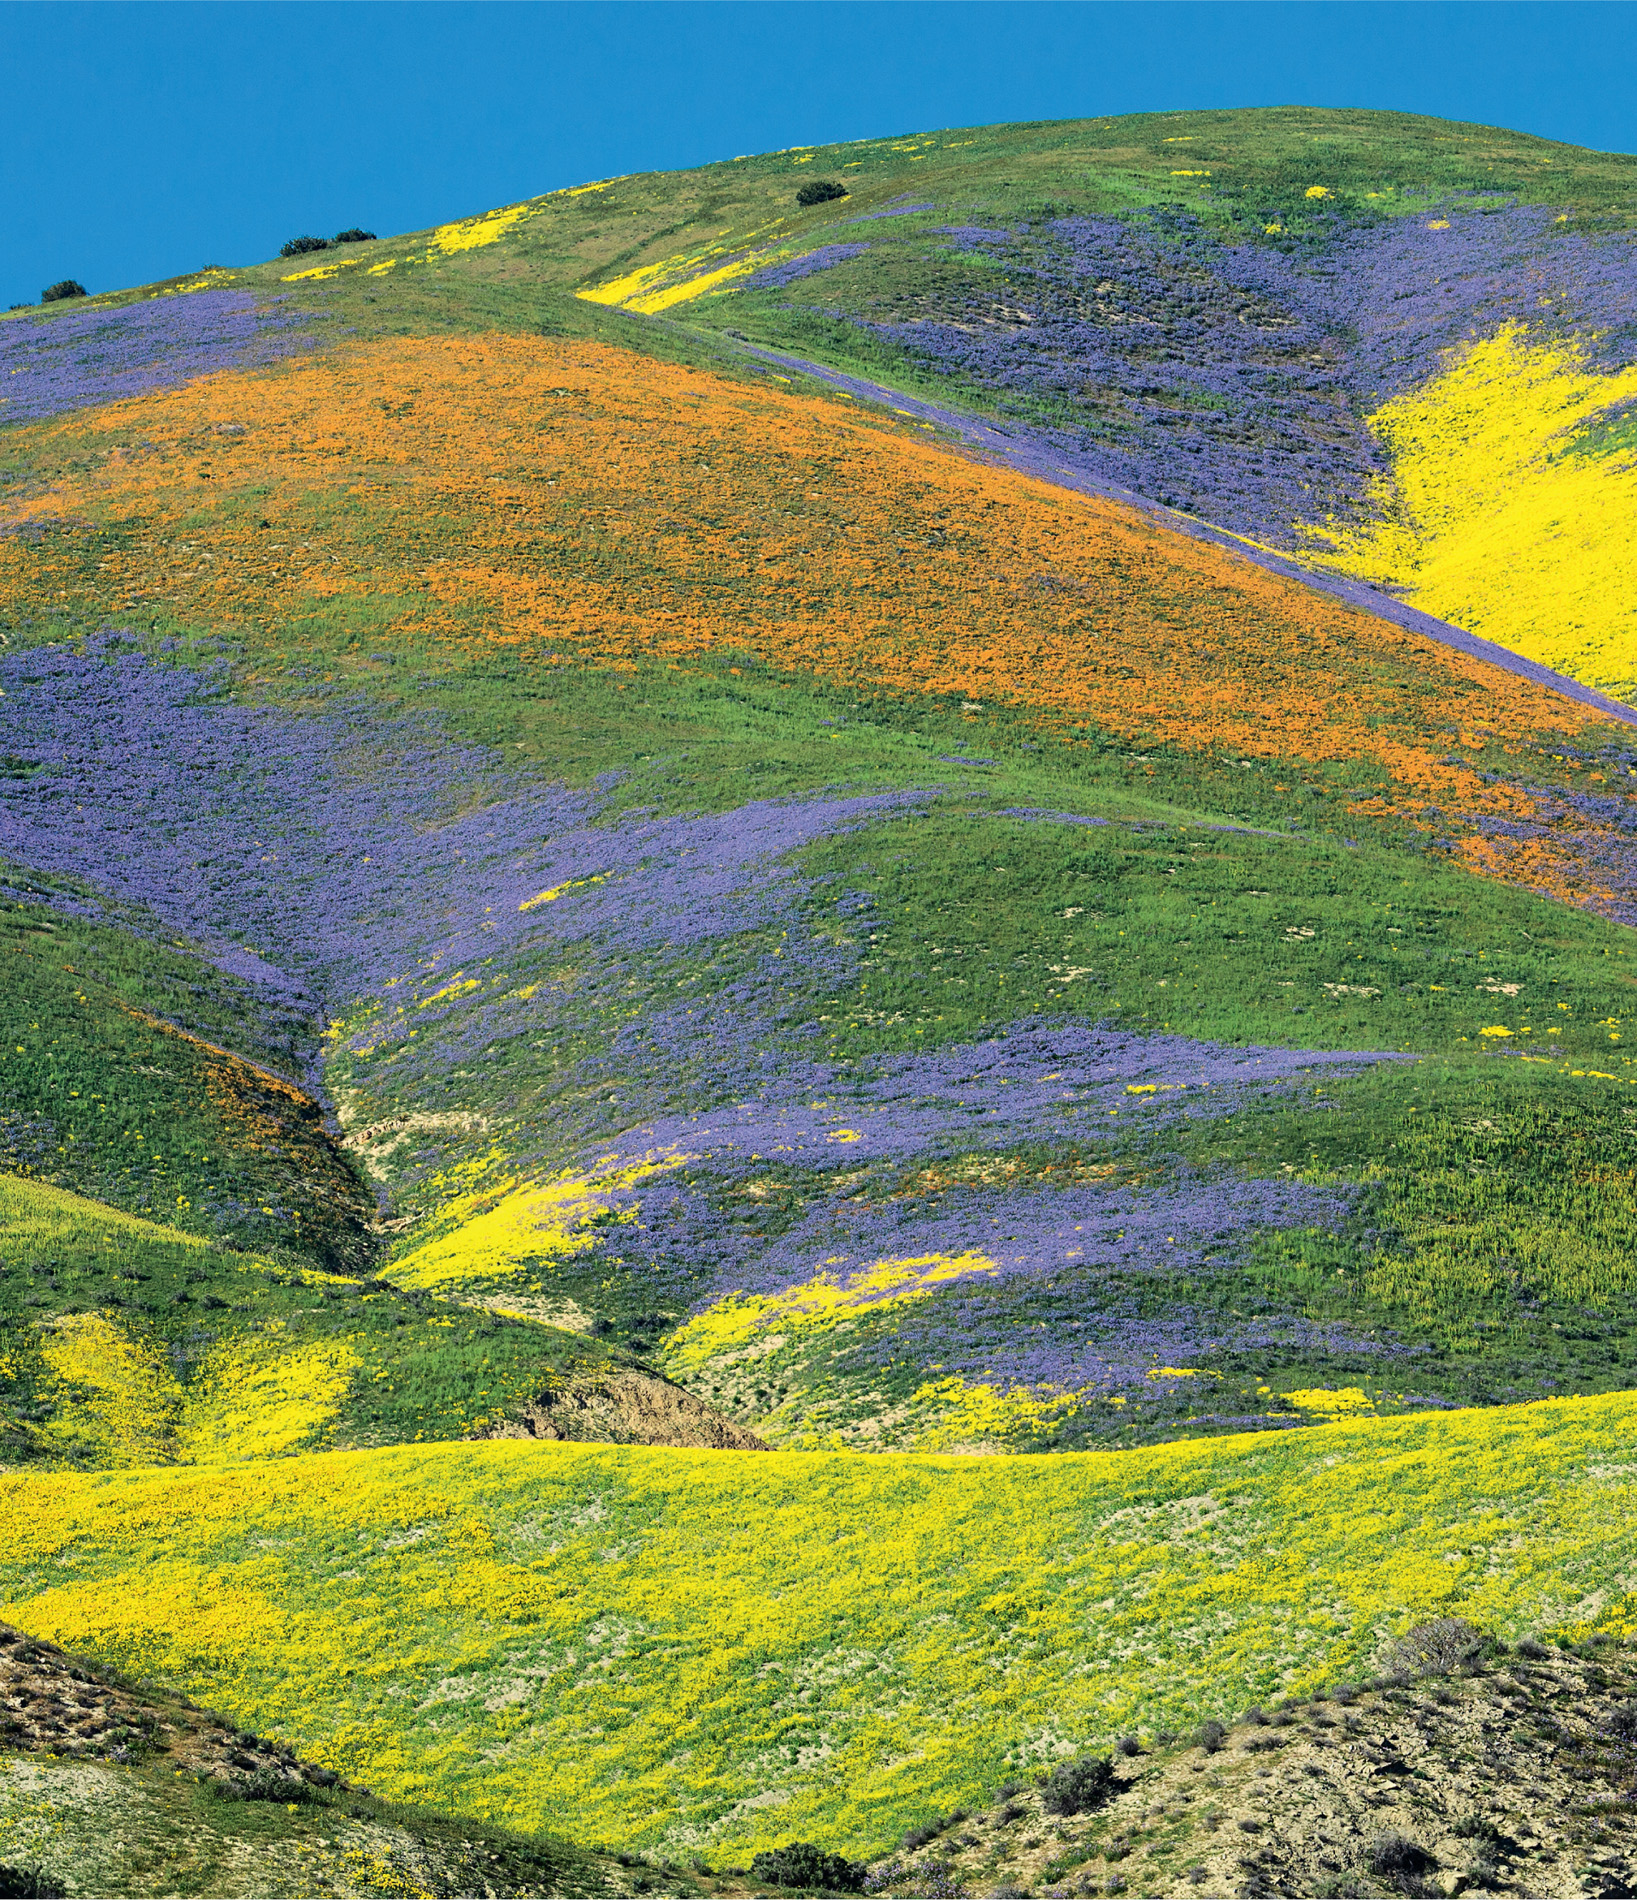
(142, 140)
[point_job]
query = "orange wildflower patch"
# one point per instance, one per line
(583, 503)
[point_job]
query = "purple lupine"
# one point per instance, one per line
(1039, 1080)
(265, 835)
(1143, 355)
(67, 361)
(1063, 1309)
(776, 276)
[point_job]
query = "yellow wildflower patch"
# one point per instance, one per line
(984, 1417)
(527, 1224)
(255, 1397)
(1489, 521)
(1345, 1401)
(557, 890)
(443, 1621)
(114, 1396)
(736, 1321)
(471, 234)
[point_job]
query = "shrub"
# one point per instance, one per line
(260, 1787)
(1536, 1652)
(1075, 1787)
(300, 246)
(68, 287)
(819, 191)
(28, 1883)
(1435, 1648)
(801, 1864)
(1210, 1736)
(353, 235)
(1397, 1854)
(1621, 1721)
(1128, 1745)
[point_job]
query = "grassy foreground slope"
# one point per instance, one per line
(703, 1651)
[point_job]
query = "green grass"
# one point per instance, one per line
(1217, 934)
(122, 1080)
(1261, 162)
(417, 1368)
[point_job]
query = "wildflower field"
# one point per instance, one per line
(988, 817)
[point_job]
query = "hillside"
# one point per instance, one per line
(990, 815)
(705, 1654)
(1496, 1768)
(108, 1789)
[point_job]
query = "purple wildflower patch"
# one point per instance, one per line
(51, 364)
(1091, 1289)
(333, 852)
(1230, 381)
(776, 276)
(1039, 1081)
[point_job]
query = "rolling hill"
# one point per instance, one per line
(988, 814)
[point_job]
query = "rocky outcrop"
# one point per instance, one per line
(1508, 1770)
(625, 1407)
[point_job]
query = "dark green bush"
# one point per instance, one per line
(352, 235)
(1397, 1854)
(69, 287)
(801, 1864)
(260, 1787)
(1075, 1787)
(300, 246)
(819, 191)
(28, 1883)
